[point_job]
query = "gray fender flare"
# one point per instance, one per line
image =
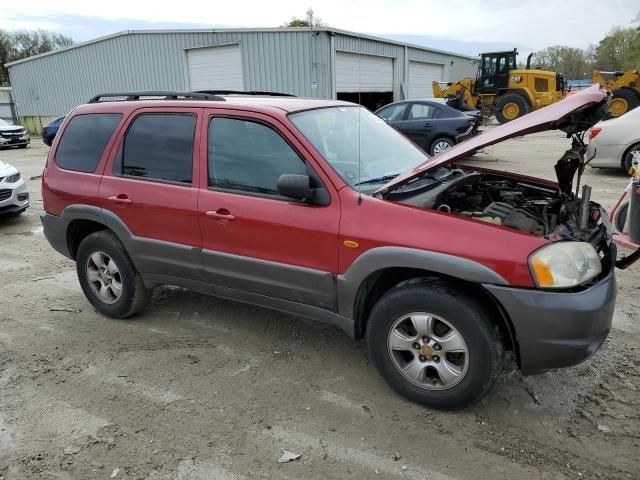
(99, 215)
(380, 258)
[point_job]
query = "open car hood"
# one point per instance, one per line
(574, 114)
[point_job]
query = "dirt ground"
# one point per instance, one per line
(199, 388)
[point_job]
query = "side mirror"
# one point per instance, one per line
(296, 186)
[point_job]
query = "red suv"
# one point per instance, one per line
(321, 209)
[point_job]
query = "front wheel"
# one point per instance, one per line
(434, 345)
(510, 107)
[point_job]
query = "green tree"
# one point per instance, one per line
(309, 21)
(616, 50)
(22, 44)
(573, 63)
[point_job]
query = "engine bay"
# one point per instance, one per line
(553, 212)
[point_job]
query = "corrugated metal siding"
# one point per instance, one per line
(462, 66)
(287, 61)
(272, 61)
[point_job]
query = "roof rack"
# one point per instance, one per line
(131, 96)
(240, 92)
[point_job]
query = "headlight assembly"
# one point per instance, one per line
(12, 178)
(564, 264)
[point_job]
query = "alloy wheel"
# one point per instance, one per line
(440, 147)
(103, 276)
(428, 351)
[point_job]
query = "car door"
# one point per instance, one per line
(150, 185)
(394, 114)
(255, 240)
(419, 124)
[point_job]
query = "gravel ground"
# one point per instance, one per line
(201, 388)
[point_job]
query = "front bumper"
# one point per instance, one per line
(14, 197)
(14, 141)
(558, 329)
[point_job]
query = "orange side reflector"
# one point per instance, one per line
(350, 244)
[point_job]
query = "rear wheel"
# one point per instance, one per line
(108, 278)
(441, 144)
(622, 100)
(510, 107)
(434, 345)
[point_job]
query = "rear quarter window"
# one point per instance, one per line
(84, 141)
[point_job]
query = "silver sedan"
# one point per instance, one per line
(612, 141)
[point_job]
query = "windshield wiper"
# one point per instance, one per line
(383, 178)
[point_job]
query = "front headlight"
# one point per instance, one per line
(565, 264)
(12, 178)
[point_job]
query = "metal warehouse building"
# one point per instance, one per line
(323, 63)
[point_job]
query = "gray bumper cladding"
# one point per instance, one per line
(558, 329)
(55, 230)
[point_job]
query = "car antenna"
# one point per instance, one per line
(359, 122)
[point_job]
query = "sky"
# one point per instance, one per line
(464, 26)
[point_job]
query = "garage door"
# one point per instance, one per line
(364, 73)
(215, 68)
(421, 77)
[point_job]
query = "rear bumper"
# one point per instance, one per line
(558, 329)
(55, 231)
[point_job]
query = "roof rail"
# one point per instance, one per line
(165, 95)
(240, 92)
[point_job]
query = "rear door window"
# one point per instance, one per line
(84, 141)
(420, 111)
(160, 147)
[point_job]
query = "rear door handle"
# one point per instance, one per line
(121, 199)
(428, 125)
(220, 214)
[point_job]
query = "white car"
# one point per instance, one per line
(13, 135)
(14, 197)
(613, 140)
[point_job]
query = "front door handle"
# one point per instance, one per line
(220, 214)
(428, 125)
(121, 199)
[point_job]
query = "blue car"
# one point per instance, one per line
(50, 129)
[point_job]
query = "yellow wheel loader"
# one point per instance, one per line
(502, 89)
(624, 88)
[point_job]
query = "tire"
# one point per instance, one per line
(622, 100)
(620, 217)
(438, 145)
(94, 252)
(627, 157)
(23, 146)
(512, 102)
(477, 369)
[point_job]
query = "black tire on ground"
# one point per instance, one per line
(627, 157)
(519, 100)
(469, 317)
(23, 146)
(440, 140)
(627, 94)
(134, 294)
(620, 217)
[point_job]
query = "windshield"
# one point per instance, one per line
(360, 146)
(4, 123)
